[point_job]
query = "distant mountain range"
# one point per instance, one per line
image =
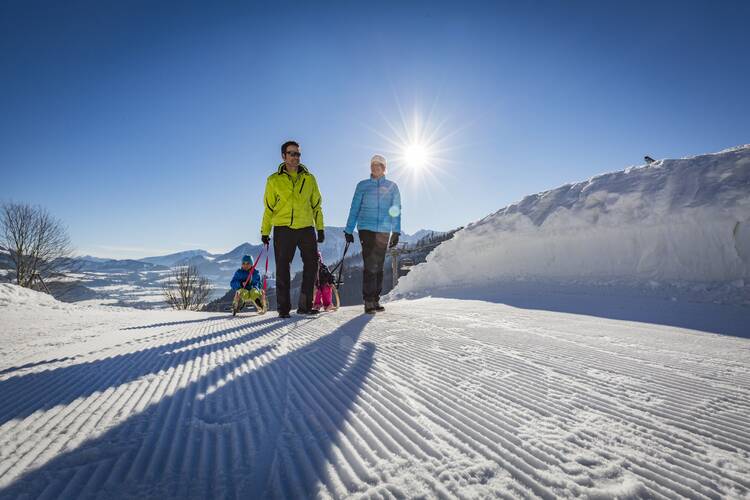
(169, 260)
(136, 282)
(219, 267)
(331, 250)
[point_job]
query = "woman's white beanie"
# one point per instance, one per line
(378, 159)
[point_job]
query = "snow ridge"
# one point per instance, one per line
(673, 220)
(18, 296)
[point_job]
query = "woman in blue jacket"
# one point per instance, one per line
(376, 212)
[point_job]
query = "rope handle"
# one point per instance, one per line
(252, 269)
(265, 273)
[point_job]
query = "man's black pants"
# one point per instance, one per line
(374, 246)
(285, 243)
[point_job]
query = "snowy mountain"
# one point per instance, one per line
(333, 247)
(113, 265)
(174, 258)
(137, 283)
(220, 267)
(6, 263)
(213, 264)
(414, 238)
(93, 259)
(676, 221)
(234, 256)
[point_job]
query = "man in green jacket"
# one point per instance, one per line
(293, 209)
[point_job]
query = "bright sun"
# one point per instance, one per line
(416, 149)
(415, 155)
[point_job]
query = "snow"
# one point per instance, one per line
(33, 324)
(434, 398)
(16, 296)
(682, 222)
(591, 341)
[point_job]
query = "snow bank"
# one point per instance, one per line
(17, 296)
(685, 220)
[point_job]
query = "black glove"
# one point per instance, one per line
(349, 237)
(394, 240)
(265, 239)
(321, 236)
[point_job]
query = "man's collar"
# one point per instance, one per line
(300, 169)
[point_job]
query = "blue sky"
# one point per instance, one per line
(150, 127)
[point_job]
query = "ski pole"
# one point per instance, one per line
(341, 269)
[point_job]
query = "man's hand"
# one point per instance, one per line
(321, 236)
(349, 237)
(394, 240)
(265, 239)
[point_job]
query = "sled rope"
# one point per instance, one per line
(265, 273)
(250, 274)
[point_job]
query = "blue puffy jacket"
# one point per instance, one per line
(240, 275)
(376, 206)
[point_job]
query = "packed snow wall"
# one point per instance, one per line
(684, 220)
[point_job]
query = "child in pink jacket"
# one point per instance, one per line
(323, 287)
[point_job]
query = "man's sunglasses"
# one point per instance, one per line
(293, 154)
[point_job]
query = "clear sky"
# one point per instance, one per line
(150, 127)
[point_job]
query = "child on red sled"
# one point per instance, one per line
(247, 288)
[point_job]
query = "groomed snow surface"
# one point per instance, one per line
(434, 398)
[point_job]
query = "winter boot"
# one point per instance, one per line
(308, 312)
(370, 307)
(378, 307)
(302, 307)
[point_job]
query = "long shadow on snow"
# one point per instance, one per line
(239, 431)
(711, 318)
(35, 363)
(46, 389)
(174, 323)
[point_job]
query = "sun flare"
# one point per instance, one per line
(416, 156)
(418, 147)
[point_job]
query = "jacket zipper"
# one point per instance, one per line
(302, 186)
(377, 222)
(291, 221)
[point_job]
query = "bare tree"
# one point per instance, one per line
(38, 243)
(186, 289)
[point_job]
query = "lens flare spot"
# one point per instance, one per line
(394, 211)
